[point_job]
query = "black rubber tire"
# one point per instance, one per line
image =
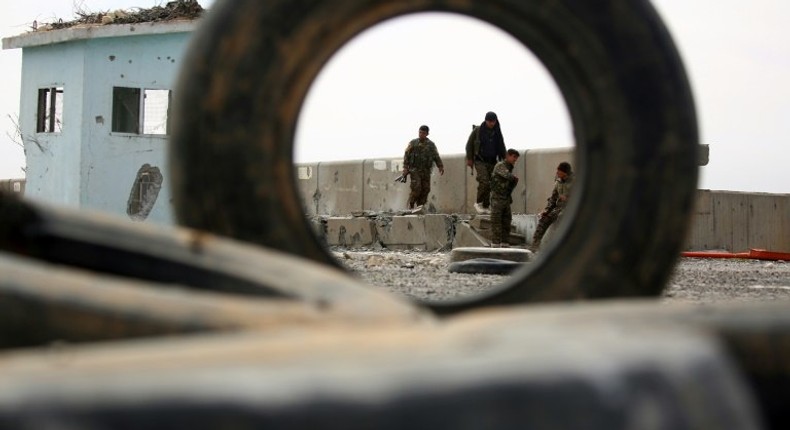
(508, 254)
(486, 266)
(251, 63)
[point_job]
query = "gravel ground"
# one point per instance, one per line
(424, 275)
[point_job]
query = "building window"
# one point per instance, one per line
(126, 110)
(137, 111)
(49, 118)
(156, 104)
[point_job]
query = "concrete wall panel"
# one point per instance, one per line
(307, 184)
(731, 212)
(15, 186)
(380, 191)
(339, 187)
(449, 190)
(541, 168)
(736, 222)
(769, 222)
(346, 231)
(438, 231)
(702, 235)
(403, 232)
(519, 205)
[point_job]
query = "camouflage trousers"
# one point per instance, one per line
(501, 218)
(420, 187)
(543, 224)
(483, 175)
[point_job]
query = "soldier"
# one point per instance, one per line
(418, 160)
(556, 202)
(484, 148)
(503, 181)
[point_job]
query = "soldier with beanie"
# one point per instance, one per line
(418, 160)
(556, 202)
(484, 148)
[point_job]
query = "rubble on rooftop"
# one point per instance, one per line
(178, 9)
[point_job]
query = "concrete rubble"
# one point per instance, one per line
(406, 231)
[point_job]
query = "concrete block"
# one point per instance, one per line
(466, 236)
(346, 231)
(541, 168)
(379, 191)
(448, 190)
(482, 226)
(16, 186)
(480, 222)
(730, 211)
(438, 231)
(339, 187)
(769, 222)
(406, 230)
(307, 183)
(519, 205)
(524, 224)
(318, 227)
(701, 235)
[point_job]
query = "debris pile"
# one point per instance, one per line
(178, 9)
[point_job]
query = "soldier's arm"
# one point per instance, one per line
(470, 146)
(436, 157)
(406, 157)
(551, 202)
(569, 188)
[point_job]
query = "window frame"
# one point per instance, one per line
(49, 109)
(138, 111)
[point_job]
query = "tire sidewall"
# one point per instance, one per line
(615, 64)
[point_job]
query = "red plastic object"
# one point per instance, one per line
(756, 254)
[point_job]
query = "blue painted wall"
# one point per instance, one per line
(87, 165)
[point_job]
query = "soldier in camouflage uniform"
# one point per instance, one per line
(503, 181)
(418, 160)
(484, 148)
(556, 203)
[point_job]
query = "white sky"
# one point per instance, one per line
(425, 69)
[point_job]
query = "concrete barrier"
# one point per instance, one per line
(541, 168)
(339, 187)
(13, 185)
(307, 183)
(448, 191)
(735, 221)
(411, 232)
(351, 232)
(723, 220)
(344, 187)
(379, 191)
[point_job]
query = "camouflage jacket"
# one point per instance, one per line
(420, 156)
(559, 196)
(503, 182)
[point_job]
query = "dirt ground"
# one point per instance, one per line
(424, 275)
